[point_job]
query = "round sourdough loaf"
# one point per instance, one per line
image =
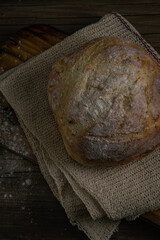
(105, 97)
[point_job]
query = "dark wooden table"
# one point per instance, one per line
(28, 209)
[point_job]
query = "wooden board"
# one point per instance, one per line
(25, 44)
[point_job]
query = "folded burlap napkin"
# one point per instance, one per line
(94, 198)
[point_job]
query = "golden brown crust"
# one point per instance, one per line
(106, 100)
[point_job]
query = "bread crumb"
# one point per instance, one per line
(28, 182)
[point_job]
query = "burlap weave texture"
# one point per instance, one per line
(95, 199)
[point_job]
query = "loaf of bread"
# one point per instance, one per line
(105, 97)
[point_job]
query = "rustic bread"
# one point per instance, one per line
(105, 98)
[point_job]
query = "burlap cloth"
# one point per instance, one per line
(94, 198)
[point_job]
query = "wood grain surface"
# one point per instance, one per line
(29, 211)
(67, 16)
(72, 15)
(22, 46)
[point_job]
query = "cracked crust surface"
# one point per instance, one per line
(105, 98)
